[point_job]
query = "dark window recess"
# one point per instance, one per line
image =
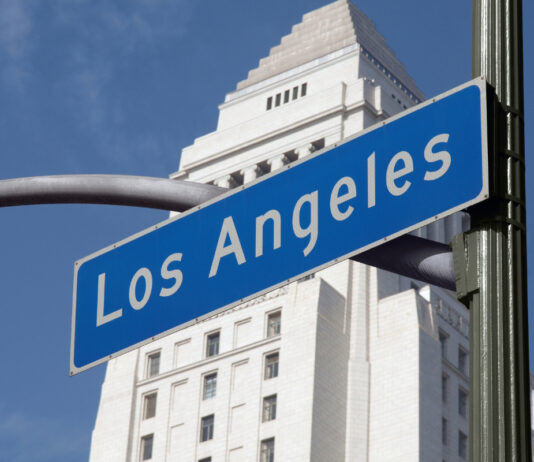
(269, 408)
(317, 145)
(150, 406)
(206, 428)
(443, 341)
(462, 403)
(273, 324)
(212, 344)
(462, 445)
(462, 360)
(210, 386)
(291, 155)
(267, 450)
(153, 364)
(146, 447)
(271, 366)
(288, 95)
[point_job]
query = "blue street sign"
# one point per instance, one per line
(423, 164)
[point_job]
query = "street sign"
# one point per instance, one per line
(408, 171)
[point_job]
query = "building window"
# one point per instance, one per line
(444, 384)
(212, 344)
(271, 366)
(273, 324)
(462, 360)
(462, 402)
(444, 430)
(269, 408)
(317, 145)
(206, 459)
(462, 445)
(206, 428)
(443, 337)
(149, 406)
(210, 386)
(153, 361)
(147, 442)
(267, 450)
(285, 96)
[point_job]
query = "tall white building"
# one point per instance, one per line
(353, 364)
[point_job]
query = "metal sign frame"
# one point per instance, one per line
(483, 195)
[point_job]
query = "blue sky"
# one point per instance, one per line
(121, 87)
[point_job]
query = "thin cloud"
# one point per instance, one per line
(15, 29)
(29, 438)
(125, 25)
(95, 39)
(104, 34)
(15, 25)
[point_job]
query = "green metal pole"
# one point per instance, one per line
(490, 260)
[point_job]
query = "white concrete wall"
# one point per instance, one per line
(330, 377)
(359, 300)
(430, 408)
(111, 437)
(394, 397)
(452, 318)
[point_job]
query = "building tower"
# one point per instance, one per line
(352, 364)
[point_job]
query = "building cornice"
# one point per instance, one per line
(333, 111)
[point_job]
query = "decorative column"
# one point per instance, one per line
(226, 181)
(251, 173)
(277, 162)
(304, 151)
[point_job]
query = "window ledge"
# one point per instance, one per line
(211, 359)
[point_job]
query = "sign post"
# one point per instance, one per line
(490, 260)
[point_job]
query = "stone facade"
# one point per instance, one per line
(369, 365)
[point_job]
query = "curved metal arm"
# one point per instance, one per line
(135, 191)
(414, 257)
(410, 256)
